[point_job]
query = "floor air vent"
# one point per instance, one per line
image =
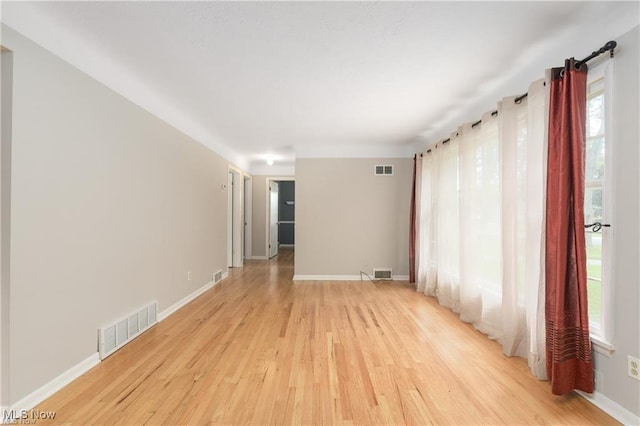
(217, 277)
(116, 335)
(382, 274)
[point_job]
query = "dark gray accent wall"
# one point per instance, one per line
(286, 212)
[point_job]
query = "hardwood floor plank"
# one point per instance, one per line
(262, 349)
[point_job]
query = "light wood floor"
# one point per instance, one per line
(261, 349)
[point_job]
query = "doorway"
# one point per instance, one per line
(248, 191)
(273, 218)
(280, 205)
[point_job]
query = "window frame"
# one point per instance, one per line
(602, 335)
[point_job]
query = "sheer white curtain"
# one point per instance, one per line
(445, 201)
(480, 226)
(481, 234)
(425, 221)
(523, 163)
(470, 220)
(438, 237)
(427, 256)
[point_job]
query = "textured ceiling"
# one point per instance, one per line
(319, 79)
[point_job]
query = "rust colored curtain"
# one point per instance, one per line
(568, 347)
(412, 226)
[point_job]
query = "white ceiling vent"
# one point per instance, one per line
(383, 170)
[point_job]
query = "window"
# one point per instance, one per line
(597, 202)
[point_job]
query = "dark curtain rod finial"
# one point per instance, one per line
(608, 47)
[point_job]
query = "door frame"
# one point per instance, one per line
(235, 215)
(268, 208)
(248, 216)
(274, 222)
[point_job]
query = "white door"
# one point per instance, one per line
(236, 220)
(230, 220)
(247, 218)
(273, 219)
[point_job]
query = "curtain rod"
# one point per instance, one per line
(608, 47)
(493, 114)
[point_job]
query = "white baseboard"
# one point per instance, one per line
(401, 277)
(326, 277)
(48, 389)
(612, 408)
(287, 245)
(258, 258)
(342, 278)
(188, 298)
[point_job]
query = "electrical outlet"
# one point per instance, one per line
(634, 367)
(189, 275)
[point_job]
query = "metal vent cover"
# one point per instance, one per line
(117, 334)
(383, 170)
(382, 274)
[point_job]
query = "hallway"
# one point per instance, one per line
(261, 349)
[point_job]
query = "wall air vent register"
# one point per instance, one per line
(383, 170)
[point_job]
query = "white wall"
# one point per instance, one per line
(111, 208)
(616, 384)
(348, 220)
